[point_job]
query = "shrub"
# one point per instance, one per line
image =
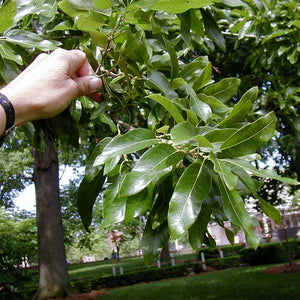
(271, 253)
(147, 275)
(229, 250)
(224, 263)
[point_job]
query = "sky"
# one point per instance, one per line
(26, 199)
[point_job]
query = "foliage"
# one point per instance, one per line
(18, 244)
(224, 263)
(270, 253)
(214, 252)
(177, 143)
(146, 275)
(15, 172)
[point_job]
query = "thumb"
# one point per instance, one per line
(88, 85)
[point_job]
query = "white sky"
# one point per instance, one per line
(26, 199)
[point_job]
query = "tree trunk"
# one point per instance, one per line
(53, 273)
(165, 254)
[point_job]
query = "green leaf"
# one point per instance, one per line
(90, 170)
(179, 6)
(204, 78)
(153, 164)
(87, 194)
(103, 4)
(224, 171)
(161, 82)
(9, 53)
(241, 109)
(234, 208)
(129, 142)
(183, 132)
(99, 38)
(250, 138)
(7, 14)
(260, 173)
(200, 108)
(111, 164)
(104, 118)
(173, 57)
(190, 191)
(139, 204)
(192, 117)
(198, 229)
(223, 90)
(168, 105)
(267, 208)
(203, 141)
(220, 135)
(185, 26)
(154, 240)
(28, 39)
(212, 29)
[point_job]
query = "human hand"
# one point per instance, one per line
(50, 84)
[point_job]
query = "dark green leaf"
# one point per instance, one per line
(154, 240)
(183, 132)
(234, 208)
(223, 90)
(87, 194)
(169, 106)
(173, 57)
(190, 191)
(198, 229)
(155, 163)
(130, 142)
(241, 109)
(250, 138)
(212, 29)
(162, 83)
(185, 26)
(260, 173)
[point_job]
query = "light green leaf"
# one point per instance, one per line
(99, 38)
(179, 6)
(107, 120)
(183, 133)
(260, 173)
(129, 142)
(270, 210)
(216, 105)
(162, 83)
(278, 33)
(203, 141)
(192, 117)
(223, 90)
(87, 194)
(234, 208)
(190, 191)
(111, 164)
(241, 109)
(250, 138)
(198, 229)
(224, 171)
(103, 4)
(168, 105)
(152, 165)
(212, 29)
(200, 108)
(7, 14)
(8, 53)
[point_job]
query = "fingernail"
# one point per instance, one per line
(95, 84)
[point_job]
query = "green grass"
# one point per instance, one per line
(235, 284)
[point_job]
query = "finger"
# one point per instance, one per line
(96, 97)
(85, 70)
(37, 61)
(88, 85)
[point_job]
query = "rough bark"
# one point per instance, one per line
(53, 273)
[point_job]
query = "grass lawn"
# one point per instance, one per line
(240, 283)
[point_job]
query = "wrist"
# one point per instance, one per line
(21, 111)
